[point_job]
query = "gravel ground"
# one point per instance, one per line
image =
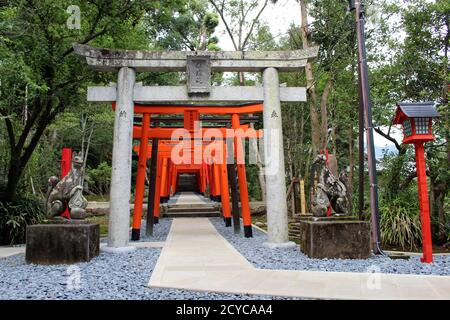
(293, 259)
(108, 276)
(160, 230)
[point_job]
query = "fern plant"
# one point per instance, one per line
(400, 223)
(15, 216)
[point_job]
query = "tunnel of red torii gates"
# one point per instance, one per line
(183, 145)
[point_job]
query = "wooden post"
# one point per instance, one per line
(427, 246)
(242, 180)
(216, 180)
(164, 183)
(203, 179)
(224, 190)
(158, 190)
(302, 196)
(233, 184)
(140, 179)
(169, 178)
(174, 180)
(152, 188)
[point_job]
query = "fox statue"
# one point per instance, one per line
(67, 192)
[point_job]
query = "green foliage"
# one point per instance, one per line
(100, 178)
(254, 190)
(15, 216)
(189, 27)
(400, 222)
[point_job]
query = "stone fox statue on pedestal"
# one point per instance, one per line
(67, 192)
(327, 189)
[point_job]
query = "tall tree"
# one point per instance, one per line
(418, 71)
(240, 18)
(333, 30)
(36, 53)
(190, 27)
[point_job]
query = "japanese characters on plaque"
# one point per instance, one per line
(198, 75)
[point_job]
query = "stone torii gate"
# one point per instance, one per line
(198, 66)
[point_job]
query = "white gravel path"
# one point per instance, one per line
(108, 276)
(293, 259)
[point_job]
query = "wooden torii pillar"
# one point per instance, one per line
(198, 66)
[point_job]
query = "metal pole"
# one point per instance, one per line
(365, 99)
(361, 153)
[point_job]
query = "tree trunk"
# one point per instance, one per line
(302, 126)
(350, 164)
(14, 172)
(314, 117)
(20, 154)
(324, 113)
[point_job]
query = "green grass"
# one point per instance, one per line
(103, 222)
(97, 197)
(260, 218)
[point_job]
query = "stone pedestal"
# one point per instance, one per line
(331, 237)
(62, 243)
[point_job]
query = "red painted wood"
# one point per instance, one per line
(427, 256)
(66, 166)
(141, 172)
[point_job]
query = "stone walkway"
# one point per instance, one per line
(196, 257)
(189, 198)
(6, 251)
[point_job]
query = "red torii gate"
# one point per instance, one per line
(213, 172)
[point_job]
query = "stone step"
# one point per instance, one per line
(191, 209)
(192, 206)
(188, 214)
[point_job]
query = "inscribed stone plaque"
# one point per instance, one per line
(198, 74)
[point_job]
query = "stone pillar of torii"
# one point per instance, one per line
(198, 66)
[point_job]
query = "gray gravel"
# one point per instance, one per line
(160, 230)
(293, 259)
(108, 276)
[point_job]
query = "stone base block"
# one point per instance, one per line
(335, 238)
(62, 243)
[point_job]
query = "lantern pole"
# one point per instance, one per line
(427, 256)
(364, 93)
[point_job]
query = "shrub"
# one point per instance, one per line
(15, 216)
(100, 178)
(400, 222)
